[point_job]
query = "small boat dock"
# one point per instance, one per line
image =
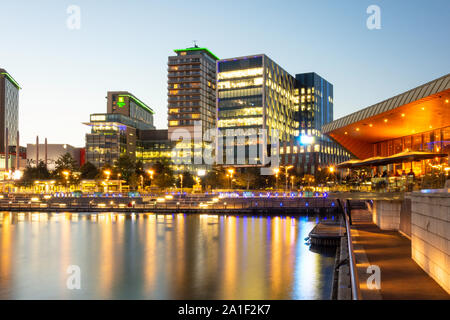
(327, 234)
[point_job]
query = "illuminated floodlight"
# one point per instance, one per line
(305, 139)
(17, 175)
(201, 172)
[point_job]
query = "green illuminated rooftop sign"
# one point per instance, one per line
(11, 79)
(197, 49)
(136, 100)
(121, 102)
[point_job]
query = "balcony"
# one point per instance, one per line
(177, 62)
(183, 98)
(197, 79)
(183, 74)
(185, 68)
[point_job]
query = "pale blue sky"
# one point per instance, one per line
(123, 45)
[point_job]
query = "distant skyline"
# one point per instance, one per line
(65, 74)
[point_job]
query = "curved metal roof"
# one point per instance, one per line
(425, 90)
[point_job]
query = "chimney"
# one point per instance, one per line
(45, 152)
(6, 150)
(37, 151)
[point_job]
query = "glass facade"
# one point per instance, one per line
(152, 151)
(314, 108)
(255, 93)
(140, 114)
(9, 109)
(437, 140)
(117, 132)
(105, 143)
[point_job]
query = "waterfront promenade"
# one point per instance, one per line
(401, 277)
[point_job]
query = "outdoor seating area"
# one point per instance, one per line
(404, 171)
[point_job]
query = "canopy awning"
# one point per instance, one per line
(348, 163)
(408, 156)
(405, 156)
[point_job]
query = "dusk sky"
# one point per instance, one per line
(124, 45)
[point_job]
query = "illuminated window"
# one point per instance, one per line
(240, 73)
(98, 117)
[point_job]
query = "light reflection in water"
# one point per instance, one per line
(148, 256)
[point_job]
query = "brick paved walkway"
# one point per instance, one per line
(401, 277)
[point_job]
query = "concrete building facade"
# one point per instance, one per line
(191, 104)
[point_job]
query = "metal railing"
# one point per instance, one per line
(354, 279)
(177, 204)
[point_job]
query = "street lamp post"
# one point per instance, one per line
(231, 172)
(181, 182)
(331, 169)
(276, 170)
(286, 175)
(66, 175)
(120, 182)
(151, 172)
(107, 173)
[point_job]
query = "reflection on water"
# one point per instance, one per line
(147, 256)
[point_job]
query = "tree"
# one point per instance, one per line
(66, 163)
(308, 179)
(188, 180)
(30, 174)
(250, 178)
(89, 171)
(163, 176)
(216, 178)
(126, 166)
(133, 181)
(141, 176)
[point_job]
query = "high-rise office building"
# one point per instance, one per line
(9, 109)
(115, 133)
(312, 150)
(254, 95)
(191, 102)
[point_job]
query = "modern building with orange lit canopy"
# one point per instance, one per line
(414, 122)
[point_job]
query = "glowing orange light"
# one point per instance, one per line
(385, 120)
(346, 132)
(403, 115)
(371, 125)
(357, 129)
